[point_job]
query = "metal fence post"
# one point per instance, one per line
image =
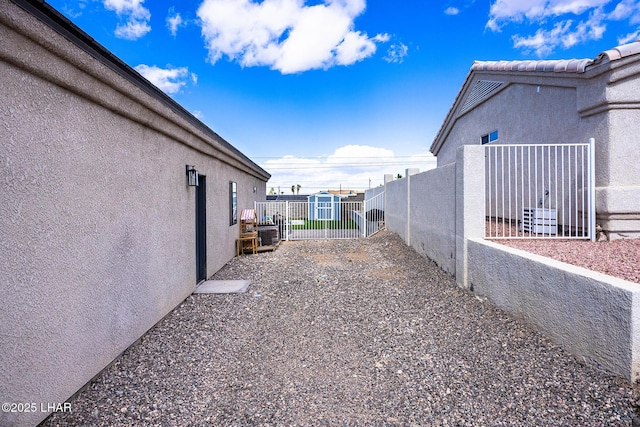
(286, 219)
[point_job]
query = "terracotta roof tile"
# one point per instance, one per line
(561, 65)
(619, 52)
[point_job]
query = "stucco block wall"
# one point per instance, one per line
(592, 315)
(373, 192)
(435, 216)
(433, 212)
(395, 213)
(97, 235)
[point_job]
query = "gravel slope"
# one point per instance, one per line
(359, 333)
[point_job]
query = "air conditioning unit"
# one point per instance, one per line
(539, 221)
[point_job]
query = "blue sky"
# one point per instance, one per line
(337, 93)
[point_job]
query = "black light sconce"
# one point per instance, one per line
(192, 176)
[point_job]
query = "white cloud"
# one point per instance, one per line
(396, 53)
(136, 18)
(627, 9)
(628, 38)
(563, 34)
(169, 80)
(537, 10)
(352, 167)
(73, 12)
(561, 23)
(286, 35)
(451, 11)
(174, 21)
(132, 30)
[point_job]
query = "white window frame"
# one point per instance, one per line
(326, 205)
(490, 137)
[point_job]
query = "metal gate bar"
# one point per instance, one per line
(540, 191)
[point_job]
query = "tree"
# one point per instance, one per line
(398, 176)
(272, 191)
(293, 189)
(298, 187)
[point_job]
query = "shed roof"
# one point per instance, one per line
(484, 88)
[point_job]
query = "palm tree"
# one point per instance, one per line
(293, 189)
(298, 187)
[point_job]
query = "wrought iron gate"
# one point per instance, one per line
(540, 191)
(306, 221)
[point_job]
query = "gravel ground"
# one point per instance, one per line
(352, 332)
(620, 258)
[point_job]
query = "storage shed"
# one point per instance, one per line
(324, 206)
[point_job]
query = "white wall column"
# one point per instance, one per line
(470, 205)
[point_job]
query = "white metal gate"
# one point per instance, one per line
(540, 191)
(306, 221)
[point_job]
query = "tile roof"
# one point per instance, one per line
(561, 65)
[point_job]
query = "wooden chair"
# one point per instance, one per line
(248, 232)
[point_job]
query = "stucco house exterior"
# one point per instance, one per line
(560, 101)
(101, 234)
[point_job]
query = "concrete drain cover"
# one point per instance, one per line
(222, 287)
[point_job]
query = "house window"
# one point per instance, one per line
(233, 203)
(492, 137)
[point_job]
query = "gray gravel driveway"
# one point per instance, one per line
(351, 332)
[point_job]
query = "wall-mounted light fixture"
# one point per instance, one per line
(192, 176)
(255, 190)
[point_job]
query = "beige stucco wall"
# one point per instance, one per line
(97, 235)
(432, 213)
(612, 92)
(511, 111)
